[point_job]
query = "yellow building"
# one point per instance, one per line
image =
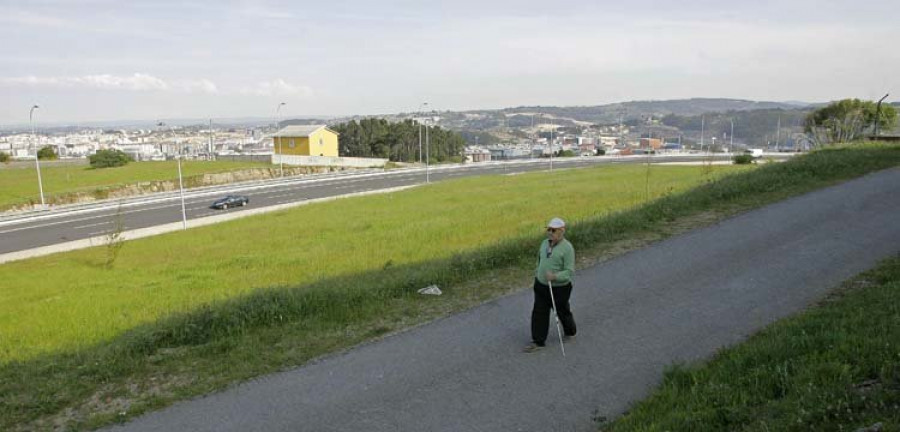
(312, 140)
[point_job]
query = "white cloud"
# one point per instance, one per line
(255, 9)
(278, 87)
(199, 86)
(26, 18)
(135, 82)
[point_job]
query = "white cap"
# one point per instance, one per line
(556, 223)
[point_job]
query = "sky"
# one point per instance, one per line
(100, 60)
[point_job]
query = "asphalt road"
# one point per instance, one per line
(678, 300)
(69, 224)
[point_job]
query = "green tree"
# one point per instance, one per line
(846, 120)
(109, 158)
(398, 142)
(4, 157)
(47, 153)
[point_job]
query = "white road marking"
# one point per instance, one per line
(92, 225)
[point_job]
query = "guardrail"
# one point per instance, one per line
(64, 209)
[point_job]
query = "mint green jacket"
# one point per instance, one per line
(561, 262)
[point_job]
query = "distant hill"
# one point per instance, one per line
(626, 112)
(611, 113)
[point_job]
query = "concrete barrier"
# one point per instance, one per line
(328, 161)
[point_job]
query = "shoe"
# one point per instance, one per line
(532, 347)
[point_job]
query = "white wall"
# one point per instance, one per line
(328, 161)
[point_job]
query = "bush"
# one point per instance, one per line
(742, 159)
(47, 153)
(4, 157)
(601, 152)
(109, 158)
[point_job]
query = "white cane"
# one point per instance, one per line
(556, 315)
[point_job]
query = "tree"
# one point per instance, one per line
(47, 153)
(4, 157)
(109, 158)
(375, 137)
(846, 120)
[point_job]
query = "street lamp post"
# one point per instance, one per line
(731, 143)
(552, 129)
(878, 112)
(180, 181)
(37, 164)
(702, 130)
(427, 157)
(277, 130)
(181, 187)
(421, 111)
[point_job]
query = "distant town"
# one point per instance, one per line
(707, 125)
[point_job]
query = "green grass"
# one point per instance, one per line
(19, 185)
(187, 313)
(835, 367)
(78, 302)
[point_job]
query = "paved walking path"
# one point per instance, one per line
(678, 300)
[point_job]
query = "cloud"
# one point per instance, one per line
(141, 82)
(255, 9)
(278, 87)
(25, 18)
(135, 82)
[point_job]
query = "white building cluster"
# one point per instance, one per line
(159, 144)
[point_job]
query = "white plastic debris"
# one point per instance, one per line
(430, 290)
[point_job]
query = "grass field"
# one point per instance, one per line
(19, 185)
(78, 302)
(835, 367)
(187, 313)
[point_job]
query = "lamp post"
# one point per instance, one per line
(877, 112)
(181, 187)
(37, 164)
(731, 143)
(180, 181)
(427, 142)
(531, 149)
(277, 130)
(702, 130)
(424, 104)
(552, 129)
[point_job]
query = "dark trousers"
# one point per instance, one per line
(540, 314)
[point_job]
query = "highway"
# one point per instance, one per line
(69, 223)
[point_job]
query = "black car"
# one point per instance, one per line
(231, 201)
